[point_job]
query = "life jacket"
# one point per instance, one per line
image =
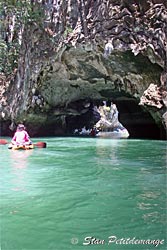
(21, 137)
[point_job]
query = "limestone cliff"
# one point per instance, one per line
(85, 52)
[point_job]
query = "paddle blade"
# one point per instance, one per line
(3, 142)
(40, 144)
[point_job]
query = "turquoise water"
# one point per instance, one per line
(84, 190)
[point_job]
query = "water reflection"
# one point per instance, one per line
(20, 158)
(19, 161)
(109, 150)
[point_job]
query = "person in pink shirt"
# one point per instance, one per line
(21, 137)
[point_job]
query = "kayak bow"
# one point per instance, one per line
(17, 147)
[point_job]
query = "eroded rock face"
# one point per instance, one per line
(90, 52)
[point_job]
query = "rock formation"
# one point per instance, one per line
(108, 118)
(83, 53)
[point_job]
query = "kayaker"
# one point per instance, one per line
(21, 137)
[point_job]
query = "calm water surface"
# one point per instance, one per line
(113, 191)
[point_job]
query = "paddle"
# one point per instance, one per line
(3, 142)
(39, 144)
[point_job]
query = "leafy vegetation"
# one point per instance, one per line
(14, 16)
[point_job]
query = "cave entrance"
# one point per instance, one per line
(138, 120)
(135, 118)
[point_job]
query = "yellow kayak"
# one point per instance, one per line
(23, 147)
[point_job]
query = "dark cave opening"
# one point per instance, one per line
(139, 123)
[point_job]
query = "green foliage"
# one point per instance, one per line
(67, 31)
(15, 16)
